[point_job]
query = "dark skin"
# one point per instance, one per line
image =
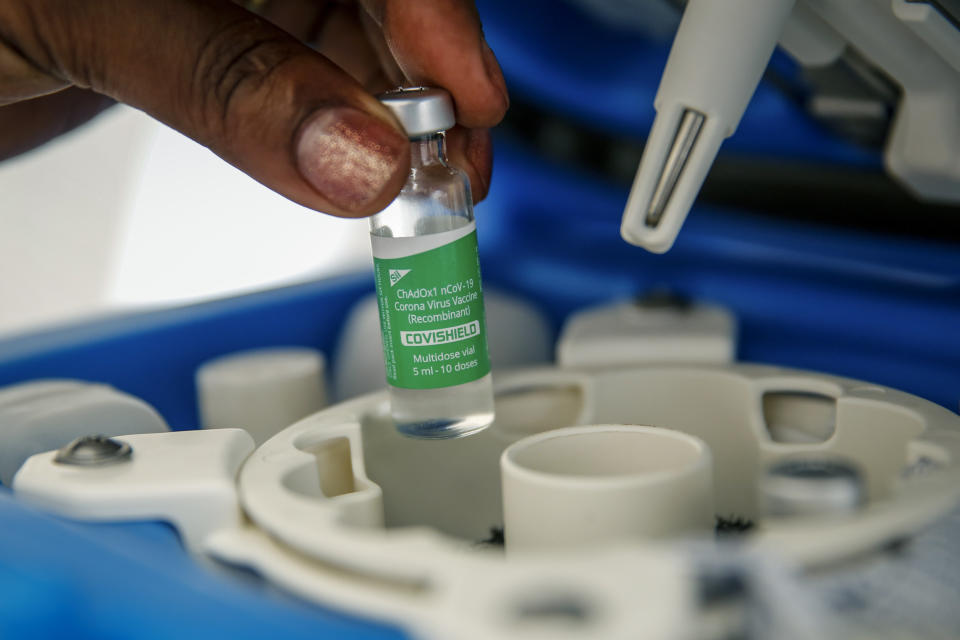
(302, 121)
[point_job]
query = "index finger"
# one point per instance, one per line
(441, 43)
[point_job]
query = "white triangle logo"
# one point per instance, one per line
(396, 274)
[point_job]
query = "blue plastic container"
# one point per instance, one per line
(881, 308)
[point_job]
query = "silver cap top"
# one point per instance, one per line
(421, 110)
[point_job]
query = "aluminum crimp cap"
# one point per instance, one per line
(421, 110)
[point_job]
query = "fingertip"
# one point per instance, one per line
(482, 102)
(452, 53)
(495, 75)
(480, 153)
(357, 162)
(471, 150)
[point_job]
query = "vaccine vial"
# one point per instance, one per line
(427, 275)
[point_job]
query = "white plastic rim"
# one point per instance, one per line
(883, 430)
(438, 587)
(587, 485)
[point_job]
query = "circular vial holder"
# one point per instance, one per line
(590, 485)
(261, 390)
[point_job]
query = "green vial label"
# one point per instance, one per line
(431, 309)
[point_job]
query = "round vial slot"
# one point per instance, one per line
(581, 486)
(626, 454)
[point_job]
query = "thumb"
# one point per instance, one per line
(254, 95)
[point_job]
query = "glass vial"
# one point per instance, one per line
(428, 283)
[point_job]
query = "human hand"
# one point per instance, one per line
(301, 121)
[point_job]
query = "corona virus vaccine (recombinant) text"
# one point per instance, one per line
(427, 274)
